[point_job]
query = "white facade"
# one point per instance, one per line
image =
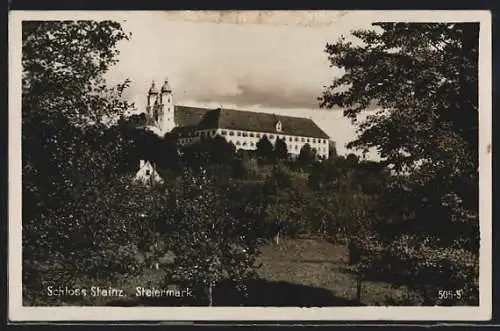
(147, 174)
(247, 140)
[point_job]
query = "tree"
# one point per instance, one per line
(278, 205)
(422, 79)
(332, 150)
(72, 150)
(280, 149)
(63, 68)
(168, 153)
(265, 149)
(212, 240)
(222, 151)
(306, 156)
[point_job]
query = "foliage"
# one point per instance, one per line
(281, 149)
(265, 149)
(63, 66)
(420, 83)
(214, 241)
(208, 152)
(332, 150)
(75, 196)
(245, 166)
(307, 155)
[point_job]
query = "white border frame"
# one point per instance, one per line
(483, 312)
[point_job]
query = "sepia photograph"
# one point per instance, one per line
(249, 165)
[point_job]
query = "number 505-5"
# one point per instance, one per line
(450, 294)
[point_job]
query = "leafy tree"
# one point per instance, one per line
(283, 207)
(209, 152)
(168, 153)
(422, 80)
(222, 151)
(72, 151)
(265, 149)
(281, 149)
(244, 165)
(212, 240)
(196, 156)
(63, 67)
(332, 150)
(306, 155)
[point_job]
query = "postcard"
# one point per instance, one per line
(250, 165)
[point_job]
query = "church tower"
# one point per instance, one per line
(166, 104)
(160, 107)
(152, 101)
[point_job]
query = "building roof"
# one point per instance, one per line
(204, 118)
(189, 116)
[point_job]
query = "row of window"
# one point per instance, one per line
(257, 135)
(271, 136)
(244, 143)
(253, 144)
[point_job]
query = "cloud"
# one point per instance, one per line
(277, 96)
(269, 64)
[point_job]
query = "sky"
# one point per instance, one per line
(259, 62)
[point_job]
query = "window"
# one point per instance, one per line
(148, 172)
(224, 133)
(258, 135)
(252, 144)
(202, 134)
(278, 126)
(295, 146)
(244, 143)
(231, 133)
(271, 137)
(251, 134)
(289, 138)
(308, 140)
(245, 134)
(238, 143)
(296, 139)
(214, 133)
(303, 139)
(314, 140)
(197, 133)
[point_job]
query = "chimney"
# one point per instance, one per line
(141, 164)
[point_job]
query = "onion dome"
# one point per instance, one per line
(153, 89)
(166, 87)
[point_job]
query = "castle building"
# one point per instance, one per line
(242, 128)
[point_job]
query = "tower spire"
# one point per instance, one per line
(166, 86)
(153, 89)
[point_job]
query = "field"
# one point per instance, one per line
(295, 272)
(320, 274)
